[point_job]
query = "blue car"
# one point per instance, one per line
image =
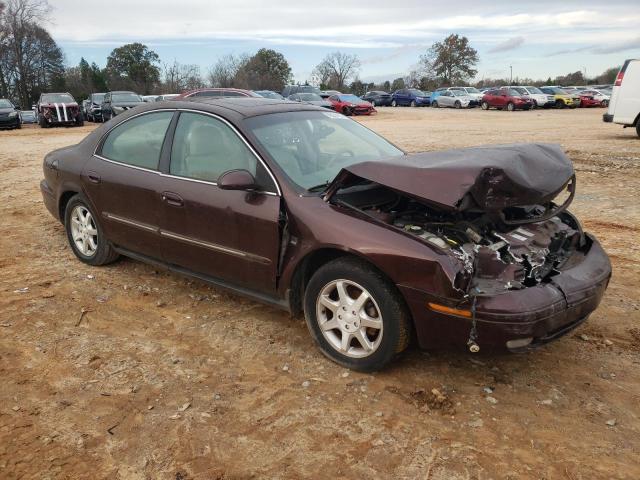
(411, 97)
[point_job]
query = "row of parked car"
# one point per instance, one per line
(62, 108)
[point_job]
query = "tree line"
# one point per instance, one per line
(31, 63)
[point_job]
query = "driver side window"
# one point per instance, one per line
(204, 148)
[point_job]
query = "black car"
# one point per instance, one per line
(378, 98)
(94, 108)
(9, 115)
(114, 103)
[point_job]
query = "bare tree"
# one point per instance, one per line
(178, 77)
(224, 72)
(18, 24)
(337, 68)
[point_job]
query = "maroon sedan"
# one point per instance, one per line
(310, 211)
(505, 99)
(348, 104)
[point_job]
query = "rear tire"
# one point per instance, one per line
(42, 122)
(638, 128)
(84, 232)
(373, 103)
(333, 290)
(511, 107)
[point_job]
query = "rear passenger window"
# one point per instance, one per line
(138, 141)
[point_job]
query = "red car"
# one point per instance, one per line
(58, 109)
(351, 105)
(505, 99)
(216, 92)
(589, 101)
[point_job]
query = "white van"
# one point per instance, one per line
(624, 106)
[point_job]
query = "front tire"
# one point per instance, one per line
(434, 104)
(457, 104)
(394, 103)
(638, 128)
(484, 106)
(413, 103)
(85, 234)
(356, 316)
(560, 104)
(373, 103)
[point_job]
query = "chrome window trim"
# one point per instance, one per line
(218, 117)
(133, 223)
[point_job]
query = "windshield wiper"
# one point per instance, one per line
(319, 188)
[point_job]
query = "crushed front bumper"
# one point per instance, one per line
(541, 313)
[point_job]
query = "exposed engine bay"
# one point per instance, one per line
(519, 248)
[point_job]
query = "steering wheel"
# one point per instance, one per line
(341, 155)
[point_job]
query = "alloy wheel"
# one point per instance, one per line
(349, 318)
(84, 231)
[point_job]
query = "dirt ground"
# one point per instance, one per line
(164, 377)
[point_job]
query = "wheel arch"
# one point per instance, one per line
(63, 201)
(315, 259)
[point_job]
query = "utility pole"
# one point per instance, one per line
(510, 75)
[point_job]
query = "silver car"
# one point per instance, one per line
(453, 99)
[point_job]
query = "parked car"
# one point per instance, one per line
(473, 92)
(166, 96)
(269, 94)
(58, 109)
(624, 106)
(86, 104)
(378, 98)
(562, 98)
(311, 99)
(291, 89)
(329, 93)
(411, 97)
(28, 116)
(216, 92)
(599, 95)
(453, 99)
(587, 101)
(349, 104)
(311, 212)
(9, 115)
(115, 103)
(436, 93)
(537, 96)
(507, 98)
(149, 98)
(94, 113)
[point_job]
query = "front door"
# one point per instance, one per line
(122, 182)
(230, 235)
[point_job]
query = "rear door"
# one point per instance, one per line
(230, 235)
(122, 181)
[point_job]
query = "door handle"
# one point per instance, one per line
(172, 199)
(93, 177)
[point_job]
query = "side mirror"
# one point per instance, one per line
(236, 180)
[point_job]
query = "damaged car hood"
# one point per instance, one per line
(489, 178)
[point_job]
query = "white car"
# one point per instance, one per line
(540, 99)
(473, 92)
(599, 95)
(624, 106)
(453, 99)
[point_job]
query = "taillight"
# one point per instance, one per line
(619, 78)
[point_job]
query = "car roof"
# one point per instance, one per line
(236, 107)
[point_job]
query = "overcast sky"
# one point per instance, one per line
(539, 38)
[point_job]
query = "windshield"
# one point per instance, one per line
(57, 98)
(459, 93)
(349, 98)
(5, 103)
(312, 147)
(309, 97)
(472, 90)
(514, 92)
(556, 90)
(125, 97)
(535, 90)
(308, 89)
(519, 91)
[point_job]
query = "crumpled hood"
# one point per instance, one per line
(490, 178)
